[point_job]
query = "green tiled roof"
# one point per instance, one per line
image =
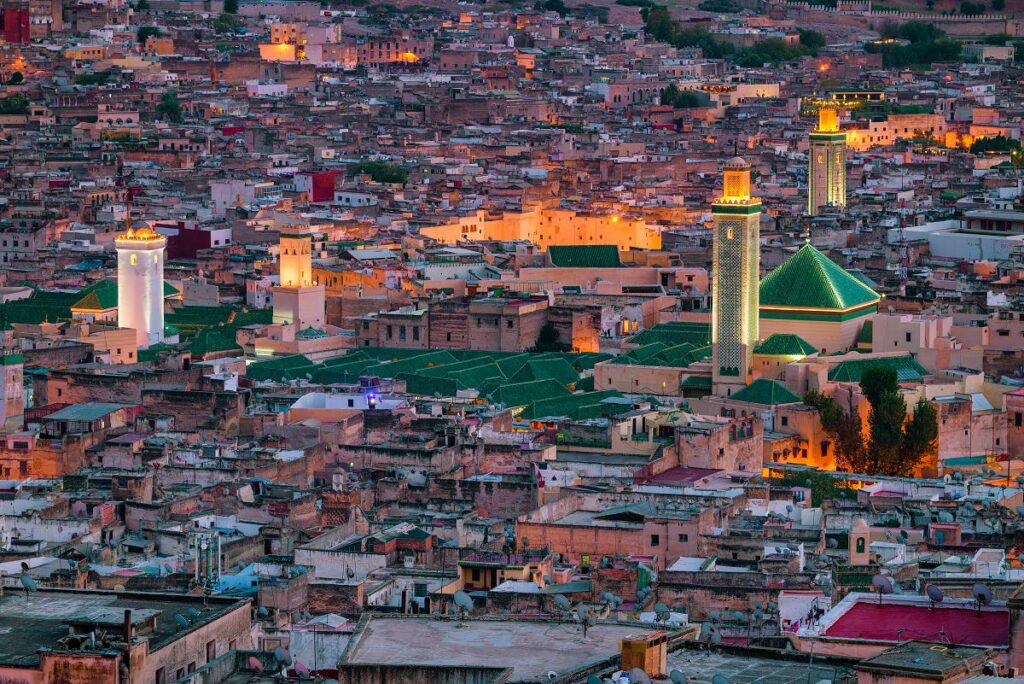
(577, 406)
(555, 369)
(781, 344)
(585, 256)
(866, 333)
(523, 393)
(768, 392)
(218, 339)
(676, 332)
(809, 279)
(697, 382)
(907, 369)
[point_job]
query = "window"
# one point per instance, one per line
(1018, 419)
(351, 403)
(211, 650)
(161, 676)
(135, 259)
(447, 337)
(416, 334)
(655, 540)
(401, 332)
(860, 544)
(908, 337)
(684, 537)
(508, 324)
(389, 332)
(784, 420)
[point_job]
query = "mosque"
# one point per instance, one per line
(809, 302)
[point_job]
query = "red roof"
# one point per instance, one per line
(896, 622)
(681, 476)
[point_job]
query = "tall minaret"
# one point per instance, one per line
(826, 173)
(734, 303)
(298, 300)
(140, 283)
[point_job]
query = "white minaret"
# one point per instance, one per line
(140, 284)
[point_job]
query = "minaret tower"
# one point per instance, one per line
(298, 300)
(826, 173)
(140, 282)
(737, 257)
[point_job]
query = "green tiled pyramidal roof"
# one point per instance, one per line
(907, 368)
(811, 280)
(768, 392)
(781, 344)
(585, 256)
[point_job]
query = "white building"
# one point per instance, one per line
(140, 284)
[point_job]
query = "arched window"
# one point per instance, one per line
(135, 259)
(860, 544)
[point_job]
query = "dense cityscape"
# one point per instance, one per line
(577, 341)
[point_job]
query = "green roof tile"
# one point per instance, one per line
(907, 368)
(809, 279)
(523, 393)
(781, 344)
(768, 392)
(585, 256)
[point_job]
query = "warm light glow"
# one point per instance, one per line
(408, 57)
(823, 67)
(828, 120)
(737, 182)
(615, 219)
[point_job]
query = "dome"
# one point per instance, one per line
(737, 163)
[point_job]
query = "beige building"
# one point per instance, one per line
(549, 226)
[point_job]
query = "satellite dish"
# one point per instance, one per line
(882, 584)
(302, 670)
(29, 583)
(118, 588)
(677, 677)
(982, 594)
(739, 616)
(935, 594)
(463, 600)
(262, 612)
(194, 613)
(562, 602)
(255, 663)
(638, 676)
(720, 679)
(593, 679)
(715, 616)
(282, 656)
(181, 621)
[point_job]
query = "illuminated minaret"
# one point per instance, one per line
(826, 173)
(298, 300)
(734, 303)
(140, 283)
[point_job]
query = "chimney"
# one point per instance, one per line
(128, 626)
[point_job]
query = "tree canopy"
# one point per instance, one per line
(381, 171)
(894, 444)
(548, 340)
(145, 32)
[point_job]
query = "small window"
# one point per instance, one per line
(508, 324)
(134, 259)
(784, 420)
(1018, 419)
(448, 337)
(908, 337)
(655, 540)
(684, 537)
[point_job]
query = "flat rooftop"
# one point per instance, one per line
(900, 622)
(38, 619)
(700, 666)
(532, 648)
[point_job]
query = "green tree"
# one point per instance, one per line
(169, 107)
(226, 23)
(812, 40)
(231, 6)
(17, 78)
(768, 51)
(680, 99)
(14, 104)
(844, 429)
(548, 340)
(998, 5)
(142, 5)
(997, 143)
(145, 32)
(381, 171)
(972, 8)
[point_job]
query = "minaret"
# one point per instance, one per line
(12, 390)
(826, 173)
(734, 303)
(140, 283)
(298, 300)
